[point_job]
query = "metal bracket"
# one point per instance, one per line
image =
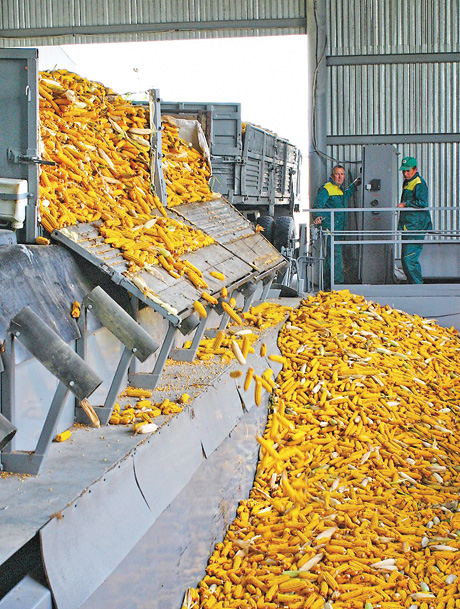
(25, 462)
(188, 355)
(14, 197)
(73, 374)
(149, 380)
(18, 157)
(248, 291)
(265, 290)
(137, 342)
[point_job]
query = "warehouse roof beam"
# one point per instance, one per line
(156, 28)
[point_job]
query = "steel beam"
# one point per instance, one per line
(407, 138)
(363, 60)
(156, 28)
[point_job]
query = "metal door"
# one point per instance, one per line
(379, 189)
(19, 127)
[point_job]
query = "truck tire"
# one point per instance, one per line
(284, 232)
(268, 224)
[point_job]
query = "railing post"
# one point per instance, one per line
(332, 265)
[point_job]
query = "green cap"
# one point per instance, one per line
(408, 162)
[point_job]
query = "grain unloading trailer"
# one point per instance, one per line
(60, 528)
(255, 169)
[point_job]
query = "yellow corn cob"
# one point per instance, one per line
(228, 309)
(247, 380)
(199, 308)
(102, 171)
(356, 425)
(76, 310)
(42, 241)
(135, 392)
(218, 340)
(246, 345)
(209, 298)
(258, 393)
(217, 275)
(63, 436)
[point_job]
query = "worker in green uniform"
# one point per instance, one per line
(414, 195)
(332, 196)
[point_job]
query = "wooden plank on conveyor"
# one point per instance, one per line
(262, 254)
(217, 218)
(227, 225)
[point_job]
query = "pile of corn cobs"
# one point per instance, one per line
(355, 500)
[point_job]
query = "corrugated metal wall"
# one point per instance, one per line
(408, 93)
(363, 27)
(51, 22)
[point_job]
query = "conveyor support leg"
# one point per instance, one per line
(150, 380)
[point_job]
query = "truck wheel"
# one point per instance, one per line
(284, 232)
(268, 224)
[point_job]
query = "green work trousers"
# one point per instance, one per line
(410, 253)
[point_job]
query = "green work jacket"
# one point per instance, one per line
(331, 196)
(415, 195)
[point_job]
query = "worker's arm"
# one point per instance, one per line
(350, 191)
(320, 203)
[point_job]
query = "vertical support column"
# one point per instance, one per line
(51, 420)
(332, 252)
(134, 311)
(156, 163)
(247, 302)
(317, 103)
(81, 350)
(248, 291)
(31, 96)
(8, 384)
(81, 342)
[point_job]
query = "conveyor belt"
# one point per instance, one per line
(239, 253)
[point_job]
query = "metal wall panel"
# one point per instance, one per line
(395, 99)
(83, 21)
(390, 95)
(363, 27)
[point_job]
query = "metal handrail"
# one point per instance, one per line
(396, 235)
